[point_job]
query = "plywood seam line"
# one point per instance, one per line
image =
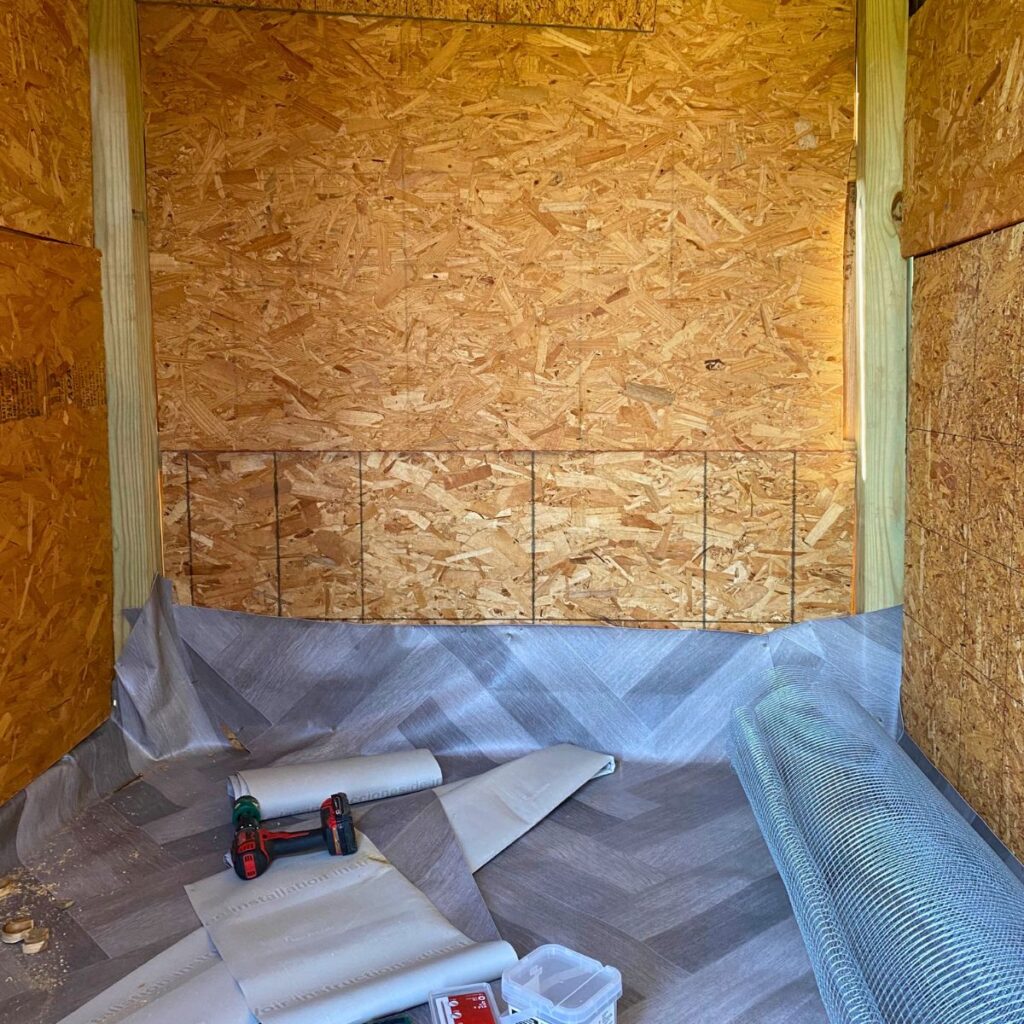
(533, 537)
(122, 237)
(362, 544)
(659, 452)
(704, 549)
(881, 295)
(188, 520)
(357, 11)
(8, 230)
(277, 532)
(792, 556)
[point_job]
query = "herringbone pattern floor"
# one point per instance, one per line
(658, 869)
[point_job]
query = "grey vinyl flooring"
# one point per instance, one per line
(658, 869)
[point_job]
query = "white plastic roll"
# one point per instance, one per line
(339, 939)
(491, 811)
(300, 788)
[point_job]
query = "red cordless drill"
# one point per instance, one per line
(254, 847)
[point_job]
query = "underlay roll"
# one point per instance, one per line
(299, 788)
(344, 940)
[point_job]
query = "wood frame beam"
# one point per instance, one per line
(882, 291)
(119, 196)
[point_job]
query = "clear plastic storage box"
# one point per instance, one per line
(557, 986)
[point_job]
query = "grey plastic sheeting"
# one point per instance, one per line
(658, 869)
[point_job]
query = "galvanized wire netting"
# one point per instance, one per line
(908, 915)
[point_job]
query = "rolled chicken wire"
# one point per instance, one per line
(909, 917)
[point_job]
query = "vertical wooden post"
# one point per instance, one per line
(882, 304)
(119, 194)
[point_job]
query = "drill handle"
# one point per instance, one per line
(281, 843)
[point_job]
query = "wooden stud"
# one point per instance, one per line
(882, 298)
(121, 236)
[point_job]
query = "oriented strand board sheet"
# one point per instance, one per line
(825, 509)
(411, 235)
(620, 537)
(234, 531)
(319, 526)
(964, 589)
(45, 139)
(982, 743)
(1013, 810)
(273, 163)
(176, 524)
(965, 122)
(987, 614)
(945, 306)
(939, 488)
(994, 504)
(56, 658)
(750, 528)
(447, 536)
(614, 537)
(966, 351)
(622, 15)
(931, 697)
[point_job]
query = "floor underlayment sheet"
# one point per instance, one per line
(657, 868)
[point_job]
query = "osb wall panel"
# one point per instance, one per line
(55, 574)
(319, 530)
(621, 15)
(176, 523)
(661, 539)
(964, 652)
(403, 235)
(457, 242)
(234, 533)
(964, 122)
(825, 522)
(448, 536)
(45, 147)
(620, 536)
(750, 525)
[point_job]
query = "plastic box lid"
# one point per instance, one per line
(560, 986)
